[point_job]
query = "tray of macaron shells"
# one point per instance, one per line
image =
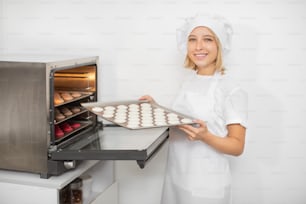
(66, 109)
(138, 114)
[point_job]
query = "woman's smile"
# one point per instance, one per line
(200, 56)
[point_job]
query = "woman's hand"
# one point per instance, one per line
(148, 98)
(196, 133)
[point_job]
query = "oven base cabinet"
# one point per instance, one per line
(28, 188)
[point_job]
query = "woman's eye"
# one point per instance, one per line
(208, 39)
(191, 39)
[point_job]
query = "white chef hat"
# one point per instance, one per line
(219, 25)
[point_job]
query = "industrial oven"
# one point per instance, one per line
(43, 127)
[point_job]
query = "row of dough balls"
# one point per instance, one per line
(143, 115)
(61, 97)
(144, 107)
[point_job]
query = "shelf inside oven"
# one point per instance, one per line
(83, 125)
(69, 117)
(114, 143)
(65, 102)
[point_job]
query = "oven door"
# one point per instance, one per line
(114, 143)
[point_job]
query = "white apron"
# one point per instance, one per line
(196, 173)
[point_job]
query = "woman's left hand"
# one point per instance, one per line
(195, 133)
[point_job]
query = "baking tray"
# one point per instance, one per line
(138, 114)
(82, 95)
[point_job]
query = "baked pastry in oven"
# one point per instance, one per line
(66, 96)
(66, 128)
(66, 111)
(76, 94)
(75, 125)
(75, 109)
(58, 115)
(58, 132)
(57, 98)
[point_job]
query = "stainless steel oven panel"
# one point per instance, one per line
(23, 121)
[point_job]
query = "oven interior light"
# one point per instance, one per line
(73, 75)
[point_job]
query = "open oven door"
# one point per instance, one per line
(113, 143)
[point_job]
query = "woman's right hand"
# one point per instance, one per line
(148, 98)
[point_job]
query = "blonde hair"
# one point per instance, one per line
(189, 64)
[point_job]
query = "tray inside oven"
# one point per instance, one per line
(72, 128)
(65, 97)
(71, 112)
(138, 114)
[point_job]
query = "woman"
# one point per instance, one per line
(198, 170)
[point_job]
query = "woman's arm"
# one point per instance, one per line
(232, 144)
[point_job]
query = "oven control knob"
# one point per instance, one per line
(69, 164)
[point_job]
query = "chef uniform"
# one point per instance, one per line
(196, 173)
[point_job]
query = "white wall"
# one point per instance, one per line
(135, 40)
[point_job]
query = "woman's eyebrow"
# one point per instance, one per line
(201, 36)
(208, 36)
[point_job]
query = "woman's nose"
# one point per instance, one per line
(199, 45)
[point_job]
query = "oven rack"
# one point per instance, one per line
(71, 116)
(83, 126)
(85, 95)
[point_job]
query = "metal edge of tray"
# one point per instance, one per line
(90, 105)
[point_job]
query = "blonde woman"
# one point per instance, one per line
(198, 170)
